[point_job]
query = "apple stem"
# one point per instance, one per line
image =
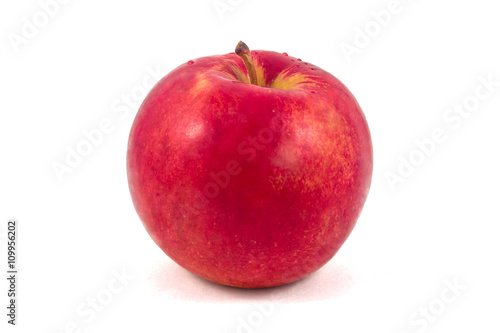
(244, 53)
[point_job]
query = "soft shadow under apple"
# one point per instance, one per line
(332, 280)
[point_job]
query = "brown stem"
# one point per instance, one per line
(243, 52)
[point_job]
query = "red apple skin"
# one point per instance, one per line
(249, 185)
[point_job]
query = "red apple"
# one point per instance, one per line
(249, 169)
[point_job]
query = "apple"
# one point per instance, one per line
(249, 169)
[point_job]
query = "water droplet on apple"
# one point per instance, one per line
(313, 69)
(190, 62)
(299, 59)
(313, 92)
(285, 54)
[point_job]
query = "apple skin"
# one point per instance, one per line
(249, 185)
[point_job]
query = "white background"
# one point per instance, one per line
(438, 227)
